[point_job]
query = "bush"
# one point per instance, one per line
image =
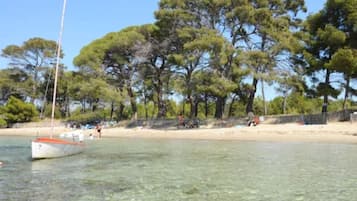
(85, 118)
(3, 123)
(17, 110)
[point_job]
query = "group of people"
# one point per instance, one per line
(252, 121)
(190, 123)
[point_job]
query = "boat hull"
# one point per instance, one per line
(54, 148)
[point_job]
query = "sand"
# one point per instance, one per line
(330, 133)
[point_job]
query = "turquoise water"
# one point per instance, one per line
(138, 169)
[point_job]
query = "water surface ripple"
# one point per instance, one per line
(139, 169)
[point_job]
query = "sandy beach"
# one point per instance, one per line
(330, 133)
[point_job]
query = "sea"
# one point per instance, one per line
(171, 169)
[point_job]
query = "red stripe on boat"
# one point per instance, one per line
(55, 141)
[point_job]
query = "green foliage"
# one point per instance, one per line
(83, 118)
(3, 123)
(201, 110)
(32, 57)
(127, 113)
(345, 60)
(14, 82)
(150, 110)
(331, 36)
(331, 40)
(171, 109)
(48, 111)
(238, 109)
(31, 51)
(323, 89)
(298, 104)
(276, 106)
(302, 105)
(335, 105)
(16, 110)
(258, 106)
(212, 83)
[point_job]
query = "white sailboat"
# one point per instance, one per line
(50, 147)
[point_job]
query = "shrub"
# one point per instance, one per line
(88, 117)
(3, 123)
(17, 110)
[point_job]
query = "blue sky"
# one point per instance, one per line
(85, 20)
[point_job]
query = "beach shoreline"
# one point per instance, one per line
(330, 133)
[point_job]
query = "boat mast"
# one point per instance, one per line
(57, 66)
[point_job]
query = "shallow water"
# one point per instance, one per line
(138, 169)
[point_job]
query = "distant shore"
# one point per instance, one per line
(329, 133)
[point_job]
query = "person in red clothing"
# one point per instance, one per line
(252, 119)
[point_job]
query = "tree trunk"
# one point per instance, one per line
(160, 106)
(121, 111)
(43, 108)
(284, 103)
(251, 97)
(196, 102)
(220, 102)
(155, 109)
(83, 105)
(327, 82)
(132, 102)
(347, 91)
(94, 104)
(68, 110)
(146, 108)
(160, 102)
(111, 110)
(206, 106)
(34, 87)
(183, 106)
(192, 108)
(264, 102)
(230, 112)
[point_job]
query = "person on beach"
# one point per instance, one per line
(252, 120)
(181, 120)
(99, 130)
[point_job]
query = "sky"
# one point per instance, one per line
(85, 21)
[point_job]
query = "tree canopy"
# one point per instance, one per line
(203, 58)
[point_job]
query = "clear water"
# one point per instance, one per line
(138, 169)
